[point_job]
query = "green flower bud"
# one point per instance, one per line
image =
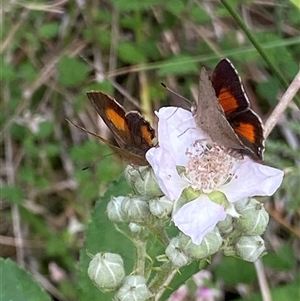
(133, 288)
(136, 209)
(250, 248)
(240, 205)
(254, 219)
(161, 207)
(143, 181)
(106, 270)
(225, 226)
(135, 229)
(176, 254)
(210, 244)
(114, 210)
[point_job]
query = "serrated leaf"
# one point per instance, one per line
(72, 71)
(19, 284)
(101, 236)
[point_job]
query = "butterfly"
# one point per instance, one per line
(223, 112)
(131, 131)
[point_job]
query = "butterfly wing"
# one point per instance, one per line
(142, 132)
(233, 99)
(113, 114)
(229, 88)
(248, 126)
(127, 155)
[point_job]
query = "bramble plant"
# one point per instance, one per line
(188, 226)
(205, 191)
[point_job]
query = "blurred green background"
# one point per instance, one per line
(53, 52)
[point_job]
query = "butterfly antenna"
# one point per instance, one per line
(97, 161)
(175, 93)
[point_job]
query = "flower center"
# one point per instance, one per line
(208, 167)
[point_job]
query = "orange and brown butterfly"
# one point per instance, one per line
(224, 114)
(131, 131)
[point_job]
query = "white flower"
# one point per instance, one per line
(183, 160)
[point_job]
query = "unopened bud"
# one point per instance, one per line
(143, 181)
(133, 288)
(114, 210)
(254, 219)
(210, 244)
(161, 207)
(106, 270)
(136, 209)
(225, 226)
(135, 228)
(250, 248)
(176, 255)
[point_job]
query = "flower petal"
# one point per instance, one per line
(176, 132)
(252, 179)
(166, 173)
(199, 217)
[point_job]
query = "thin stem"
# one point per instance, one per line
(162, 279)
(163, 236)
(141, 256)
(254, 41)
(282, 105)
(262, 281)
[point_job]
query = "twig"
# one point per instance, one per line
(15, 208)
(262, 281)
(282, 105)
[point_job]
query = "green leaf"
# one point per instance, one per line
(72, 71)
(102, 236)
(199, 15)
(48, 30)
(130, 53)
(8, 72)
(135, 5)
(283, 260)
(180, 278)
(296, 3)
(12, 194)
(178, 65)
(45, 130)
(52, 149)
(284, 292)
(176, 7)
(233, 271)
(27, 71)
(269, 90)
(17, 284)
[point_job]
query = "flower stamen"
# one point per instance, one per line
(208, 166)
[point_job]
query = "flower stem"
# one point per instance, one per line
(162, 279)
(141, 255)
